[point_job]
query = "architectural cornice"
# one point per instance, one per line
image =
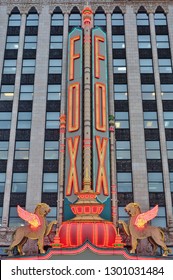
(66, 6)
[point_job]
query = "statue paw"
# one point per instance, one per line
(42, 251)
(120, 222)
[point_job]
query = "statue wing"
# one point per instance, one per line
(31, 218)
(143, 218)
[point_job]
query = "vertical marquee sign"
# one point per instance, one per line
(73, 165)
(100, 129)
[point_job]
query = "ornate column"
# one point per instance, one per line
(62, 122)
(139, 167)
(111, 119)
(87, 24)
(163, 147)
(9, 171)
(35, 169)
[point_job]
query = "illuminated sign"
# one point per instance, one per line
(73, 163)
(100, 131)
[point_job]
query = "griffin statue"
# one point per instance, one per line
(138, 228)
(36, 229)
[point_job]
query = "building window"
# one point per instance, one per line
(160, 19)
(148, 92)
(32, 20)
(19, 183)
(120, 92)
(57, 20)
(55, 66)
(118, 42)
(9, 66)
(4, 149)
(22, 150)
(28, 66)
(155, 182)
(142, 19)
(75, 20)
(7, 92)
(12, 42)
(50, 182)
(99, 19)
(165, 66)
(146, 66)
(56, 42)
(152, 149)
(150, 120)
(52, 120)
(24, 120)
(26, 92)
(170, 149)
(14, 20)
(144, 41)
(168, 119)
(167, 91)
(119, 66)
(123, 149)
(117, 19)
(2, 182)
(162, 41)
(54, 92)
(171, 180)
(30, 42)
(124, 182)
(160, 219)
(121, 120)
(5, 120)
(14, 220)
(51, 150)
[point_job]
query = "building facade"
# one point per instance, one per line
(34, 65)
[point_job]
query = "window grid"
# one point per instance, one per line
(22, 150)
(150, 120)
(19, 182)
(32, 20)
(7, 92)
(124, 181)
(54, 92)
(117, 19)
(142, 19)
(50, 182)
(51, 150)
(24, 120)
(152, 149)
(99, 19)
(120, 92)
(123, 150)
(14, 20)
(121, 120)
(4, 149)
(148, 91)
(12, 42)
(2, 181)
(26, 92)
(5, 120)
(57, 20)
(52, 120)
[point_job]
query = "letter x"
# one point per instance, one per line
(101, 176)
(72, 176)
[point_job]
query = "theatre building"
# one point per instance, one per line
(86, 114)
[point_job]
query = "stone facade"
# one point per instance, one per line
(139, 169)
